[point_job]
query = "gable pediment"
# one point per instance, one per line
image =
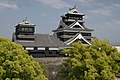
(77, 37)
(76, 25)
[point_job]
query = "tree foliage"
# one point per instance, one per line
(98, 61)
(16, 64)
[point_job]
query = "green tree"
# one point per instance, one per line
(98, 61)
(16, 64)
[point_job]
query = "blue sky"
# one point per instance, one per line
(101, 15)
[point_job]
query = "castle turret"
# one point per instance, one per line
(24, 30)
(72, 28)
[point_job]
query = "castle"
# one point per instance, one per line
(71, 28)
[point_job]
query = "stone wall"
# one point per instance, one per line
(53, 64)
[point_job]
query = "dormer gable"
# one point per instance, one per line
(77, 37)
(76, 25)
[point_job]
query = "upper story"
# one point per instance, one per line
(72, 28)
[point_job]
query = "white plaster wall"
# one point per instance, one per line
(118, 47)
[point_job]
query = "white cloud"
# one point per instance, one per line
(43, 14)
(113, 23)
(84, 1)
(105, 10)
(116, 5)
(8, 5)
(101, 12)
(55, 3)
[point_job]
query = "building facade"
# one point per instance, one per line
(38, 45)
(71, 28)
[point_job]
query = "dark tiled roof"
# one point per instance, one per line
(28, 36)
(42, 40)
(73, 30)
(65, 27)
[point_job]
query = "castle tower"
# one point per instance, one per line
(24, 30)
(38, 45)
(71, 28)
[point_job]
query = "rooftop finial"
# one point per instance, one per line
(25, 22)
(72, 7)
(25, 19)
